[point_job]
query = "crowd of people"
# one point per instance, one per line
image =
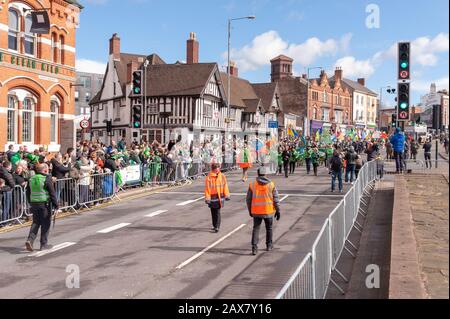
(176, 159)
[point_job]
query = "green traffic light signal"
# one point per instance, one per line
(404, 65)
(404, 105)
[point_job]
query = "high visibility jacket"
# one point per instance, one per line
(262, 199)
(216, 189)
(38, 192)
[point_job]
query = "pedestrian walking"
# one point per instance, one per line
(286, 155)
(315, 158)
(245, 162)
(42, 198)
(427, 149)
(216, 193)
(308, 160)
(336, 171)
(351, 158)
(263, 205)
(398, 144)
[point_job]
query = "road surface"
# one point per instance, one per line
(162, 246)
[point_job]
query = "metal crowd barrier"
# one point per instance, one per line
(313, 276)
(66, 193)
(12, 205)
(91, 189)
(95, 188)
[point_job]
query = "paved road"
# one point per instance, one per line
(162, 246)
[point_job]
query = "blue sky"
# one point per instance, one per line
(323, 33)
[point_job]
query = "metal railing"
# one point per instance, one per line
(313, 276)
(88, 190)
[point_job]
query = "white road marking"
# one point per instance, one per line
(190, 201)
(286, 196)
(209, 247)
(49, 251)
(245, 194)
(113, 228)
(158, 212)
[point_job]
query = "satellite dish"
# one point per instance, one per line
(40, 23)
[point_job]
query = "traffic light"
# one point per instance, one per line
(403, 102)
(109, 126)
(404, 60)
(137, 82)
(137, 116)
(394, 120)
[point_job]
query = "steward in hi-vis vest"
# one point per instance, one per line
(263, 204)
(216, 193)
(42, 198)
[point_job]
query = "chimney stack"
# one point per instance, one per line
(338, 73)
(233, 69)
(304, 76)
(362, 81)
(192, 49)
(114, 46)
(131, 67)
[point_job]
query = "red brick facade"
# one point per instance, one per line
(36, 75)
(329, 101)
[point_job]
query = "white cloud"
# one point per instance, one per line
(424, 52)
(422, 86)
(268, 45)
(90, 66)
(355, 68)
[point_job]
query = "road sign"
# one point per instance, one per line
(273, 124)
(84, 124)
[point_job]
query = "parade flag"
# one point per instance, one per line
(290, 132)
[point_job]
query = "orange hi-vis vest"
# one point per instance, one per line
(216, 188)
(262, 199)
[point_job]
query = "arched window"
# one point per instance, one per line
(13, 31)
(61, 50)
(54, 121)
(12, 116)
(29, 38)
(27, 120)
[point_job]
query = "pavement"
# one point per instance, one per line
(162, 246)
(429, 198)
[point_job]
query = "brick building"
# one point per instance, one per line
(330, 102)
(37, 73)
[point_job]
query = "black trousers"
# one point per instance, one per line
(216, 218)
(286, 169)
(256, 227)
(42, 219)
(308, 165)
(292, 167)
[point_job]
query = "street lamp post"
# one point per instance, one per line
(307, 99)
(229, 62)
(390, 90)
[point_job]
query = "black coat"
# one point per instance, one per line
(111, 165)
(7, 176)
(58, 170)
